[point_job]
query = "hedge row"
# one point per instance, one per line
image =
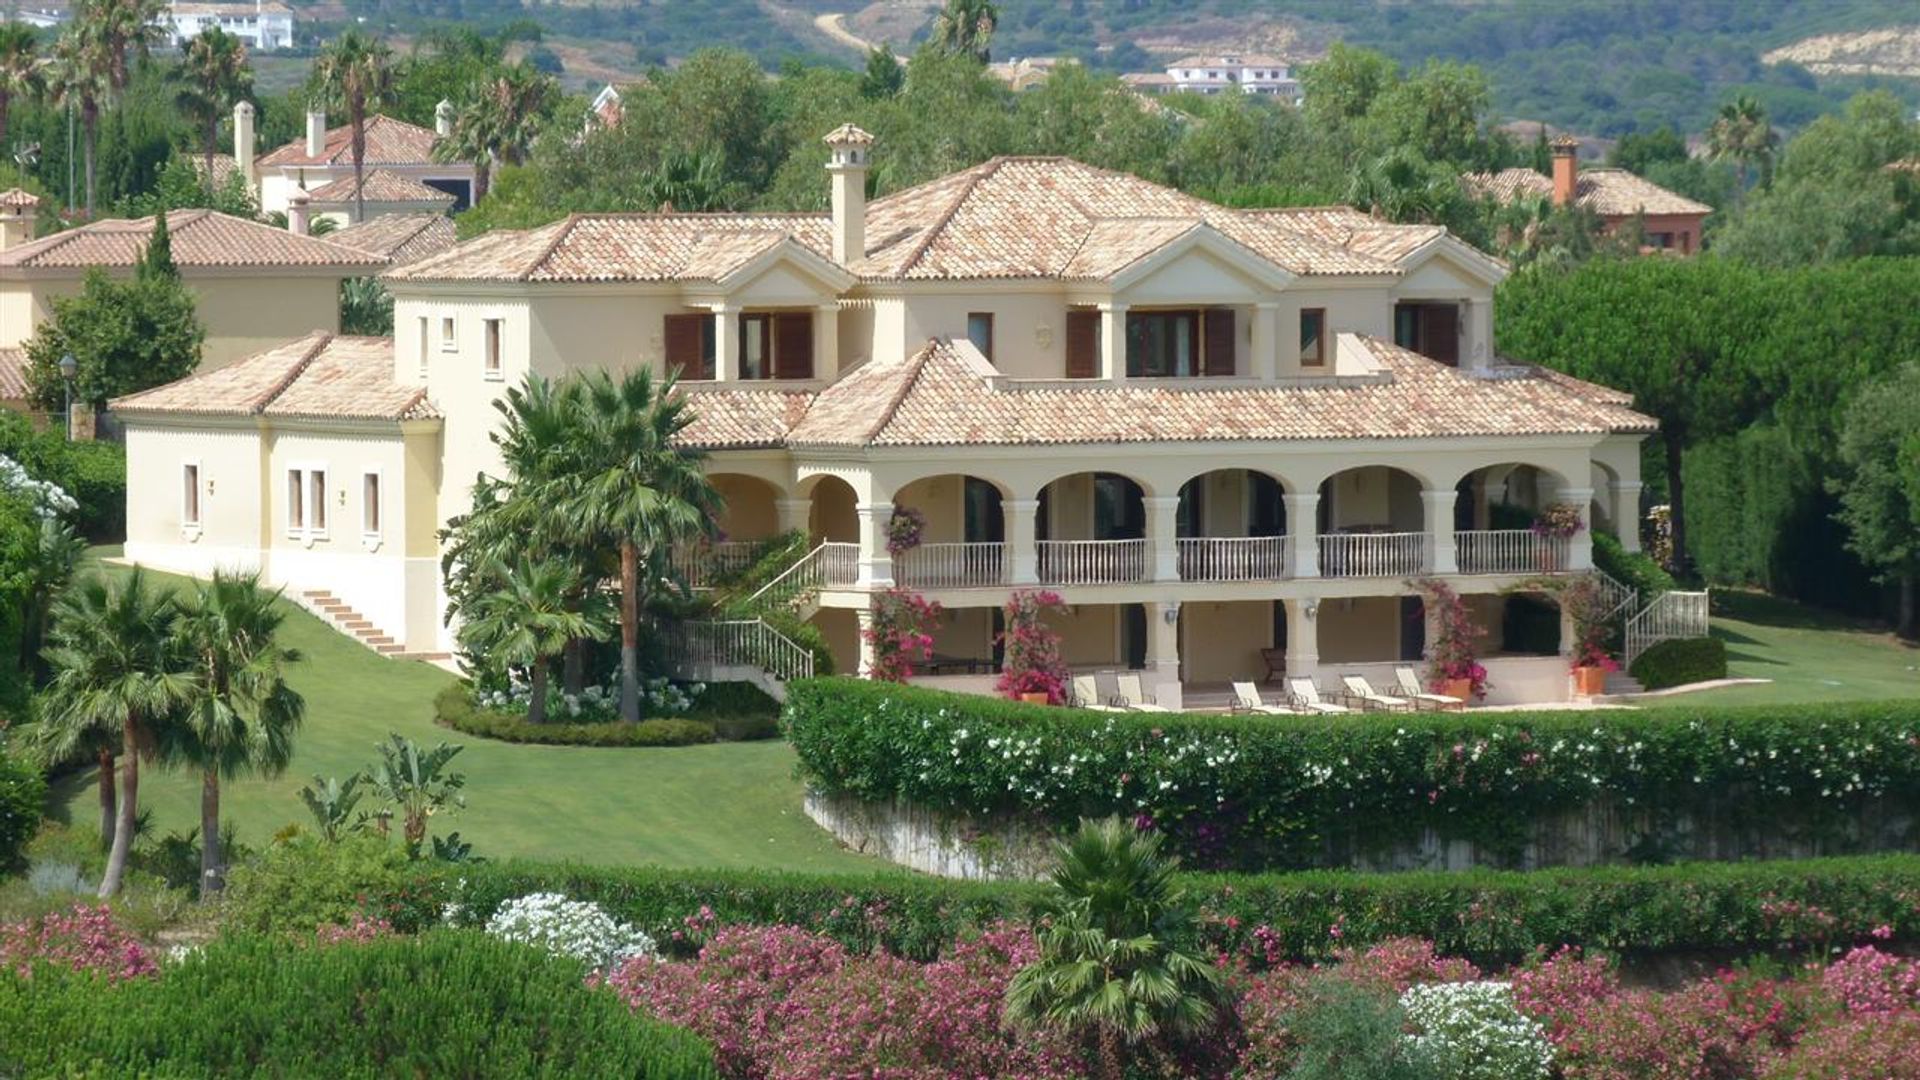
(444, 1004)
(94, 473)
(738, 713)
(1681, 661)
(1300, 792)
(22, 793)
(1490, 916)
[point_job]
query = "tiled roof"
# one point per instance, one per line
(399, 238)
(734, 419)
(18, 197)
(621, 247)
(13, 374)
(1606, 191)
(320, 376)
(1343, 226)
(1260, 60)
(201, 238)
(224, 166)
(389, 142)
(380, 186)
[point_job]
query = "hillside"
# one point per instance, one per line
(1894, 52)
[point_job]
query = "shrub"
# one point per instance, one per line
(1341, 1032)
(301, 883)
(1680, 661)
(84, 939)
(22, 794)
(724, 710)
(445, 1004)
(93, 473)
(1260, 792)
(1636, 570)
(1471, 1031)
(579, 930)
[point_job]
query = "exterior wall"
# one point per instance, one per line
(942, 500)
(1360, 310)
(1686, 230)
(1221, 642)
(1359, 628)
(1029, 328)
(750, 513)
(1441, 278)
(229, 536)
(1089, 636)
(278, 183)
(242, 315)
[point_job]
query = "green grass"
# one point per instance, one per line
(1811, 655)
(719, 805)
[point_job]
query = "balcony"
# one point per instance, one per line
(1350, 555)
(1234, 558)
(951, 566)
(1092, 562)
(1510, 551)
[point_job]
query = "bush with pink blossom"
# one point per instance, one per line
(1869, 982)
(84, 939)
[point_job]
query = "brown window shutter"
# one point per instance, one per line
(1219, 343)
(1441, 334)
(684, 336)
(1083, 344)
(793, 345)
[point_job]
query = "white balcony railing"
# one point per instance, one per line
(1092, 562)
(1510, 551)
(1373, 554)
(1233, 558)
(839, 563)
(948, 566)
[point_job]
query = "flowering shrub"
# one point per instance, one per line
(1032, 663)
(1854, 1048)
(1560, 521)
(583, 931)
(658, 697)
(904, 529)
(1451, 655)
(359, 930)
(84, 939)
(46, 497)
(1869, 982)
(1471, 1031)
(898, 633)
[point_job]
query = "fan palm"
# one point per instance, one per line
(120, 671)
(19, 69)
(356, 72)
(501, 122)
(50, 568)
(966, 26)
(241, 714)
(528, 619)
(213, 74)
(1742, 133)
(120, 30)
(1114, 965)
(79, 78)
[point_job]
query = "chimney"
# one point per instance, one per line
(849, 147)
(243, 140)
(316, 131)
(1566, 169)
(443, 119)
(18, 210)
(298, 213)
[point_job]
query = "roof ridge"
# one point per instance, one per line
(567, 225)
(298, 369)
(979, 173)
(917, 363)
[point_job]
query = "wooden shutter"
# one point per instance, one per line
(1441, 333)
(1219, 342)
(793, 345)
(1083, 344)
(684, 337)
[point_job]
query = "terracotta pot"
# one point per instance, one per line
(1588, 681)
(1460, 688)
(1034, 699)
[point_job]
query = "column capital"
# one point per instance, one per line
(1111, 306)
(1439, 494)
(874, 507)
(1576, 495)
(1019, 506)
(1160, 502)
(1301, 498)
(1628, 485)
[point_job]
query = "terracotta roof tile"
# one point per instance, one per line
(13, 374)
(224, 166)
(734, 419)
(622, 247)
(399, 238)
(1608, 192)
(388, 142)
(201, 238)
(380, 186)
(19, 197)
(320, 376)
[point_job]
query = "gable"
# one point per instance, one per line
(1195, 275)
(1442, 272)
(783, 282)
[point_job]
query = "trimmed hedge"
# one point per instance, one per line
(448, 1003)
(23, 793)
(94, 473)
(1490, 916)
(734, 712)
(1678, 662)
(1300, 792)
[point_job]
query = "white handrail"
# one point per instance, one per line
(1092, 562)
(1671, 615)
(951, 565)
(739, 642)
(1234, 558)
(1373, 554)
(1615, 596)
(829, 563)
(1510, 551)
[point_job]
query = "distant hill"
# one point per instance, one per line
(1894, 52)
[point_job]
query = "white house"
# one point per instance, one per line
(1246, 73)
(263, 24)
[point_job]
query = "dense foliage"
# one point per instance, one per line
(726, 711)
(1681, 661)
(94, 473)
(22, 791)
(1291, 792)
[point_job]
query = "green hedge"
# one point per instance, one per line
(1489, 915)
(1636, 570)
(1679, 662)
(449, 1003)
(1300, 792)
(22, 795)
(731, 711)
(94, 473)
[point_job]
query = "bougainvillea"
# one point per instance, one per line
(904, 529)
(898, 634)
(1560, 521)
(84, 939)
(1453, 653)
(1031, 662)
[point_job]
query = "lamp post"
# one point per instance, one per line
(68, 367)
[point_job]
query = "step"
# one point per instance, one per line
(389, 649)
(318, 596)
(374, 639)
(355, 624)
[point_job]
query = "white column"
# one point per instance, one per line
(1580, 548)
(1263, 356)
(1113, 342)
(1303, 638)
(1626, 513)
(876, 562)
(1163, 642)
(1023, 554)
(863, 665)
(726, 343)
(1439, 519)
(1163, 550)
(826, 341)
(1303, 527)
(795, 515)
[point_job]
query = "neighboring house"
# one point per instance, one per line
(262, 25)
(606, 109)
(381, 192)
(1671, 223)
(323, 159)
(399, 238)
(1222, 435)
(255, 285)
(1247, 73)
(1024, 73)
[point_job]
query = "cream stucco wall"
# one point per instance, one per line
(229, 535)
(242, 315)
(1360, 628)
(1221, 640)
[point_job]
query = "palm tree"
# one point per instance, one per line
(625, 481)
(501, 122)
(417, 783)
(80, 79)
(356, 72)
(528, 619)
(1114, 964)
(242, 714)
(966, 26)
(1741, 133)
(120, 669)
(47, 571)
(121, 29)
(19, 69)
(213, 74)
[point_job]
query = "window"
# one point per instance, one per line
(296, 502)
(423, 346)
(1162, 344)
(690, 345)
(446, 334)
(493, 349)
(756, 346)
(370, 504)
(190, 495)
(1313, 337)
(316, 502)
(980, 332)
(776, 346)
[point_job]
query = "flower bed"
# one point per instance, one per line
(1383, 789)
(724, 711)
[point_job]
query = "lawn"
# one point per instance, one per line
(1811, 655)
(725, 805)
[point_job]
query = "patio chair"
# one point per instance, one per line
(1246, 698)
(1169, 696)
(1409, 686)
(1306, 697)
(1086, 695)
(1359, 689)
(1133, 698)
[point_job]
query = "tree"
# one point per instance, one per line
(120, 671)
(1742, 134)
(79, 79)
(241, 715)
(55, 552)
(500, 121)
(120, 30)
(213, 74)
(1342, 87)
(965, 28)
(1116, 963)
(1879, 492)
(355, 72)
(418, 784)
(156, 262)
(527, 620)
(883, 76)
(20, 75)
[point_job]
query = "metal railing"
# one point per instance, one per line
(1234, 558)
(829, 563)
(1671, 615)
(1510, 551)
(1092, 562)
(1373, 554)
(701, 564)
(698, 647)
(951, 565)
(1615, 596)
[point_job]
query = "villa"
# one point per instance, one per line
(1670, 223)
(399, 169)
(1230, 439)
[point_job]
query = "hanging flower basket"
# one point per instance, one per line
(1558, 522)
(904, 529)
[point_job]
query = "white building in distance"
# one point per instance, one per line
(262, 25)
(1247, 73)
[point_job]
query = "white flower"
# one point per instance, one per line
(577, 929)
(1472, 1031)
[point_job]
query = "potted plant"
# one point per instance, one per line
(904, 529)
(1586, 609)
(1031, 669)
(1557, 522)
(1591, 666)
(1452, 667)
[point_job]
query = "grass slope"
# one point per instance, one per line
(1811, 655)
(724, 805)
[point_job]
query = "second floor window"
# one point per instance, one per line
(1178, 344)
(776, 345)
(423, 346)
(493, 349)
(1313, 337)
(980, 332)
(689, 345)
(446, 334)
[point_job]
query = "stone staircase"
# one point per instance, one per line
(335, 612)
(1619, 683)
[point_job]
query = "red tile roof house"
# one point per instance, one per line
(1672, 223)
(321, 164)
(1228, 438)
